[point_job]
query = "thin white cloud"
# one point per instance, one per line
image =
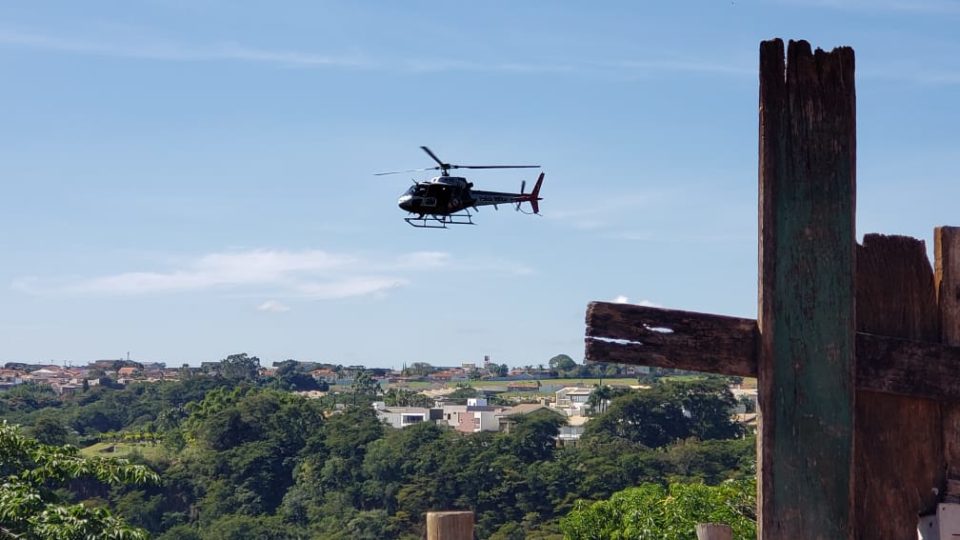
(914, 6)
(591, 215)
(354, 286)
(647, 236)
(423, 260)
(217, 270)
(176, 52)
(273, 306)
(277, 274)
(683, 66)
(622, 299)
(910, 74)
(161, 50)
(308, 273)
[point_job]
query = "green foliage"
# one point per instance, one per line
(246, 458)
(240, 367)
(244, 527)
(401, 397)
(50, 430)
(365, 385)
(28, 507)
(649, 512)
(291, 375)
(562, 363)
(671, 411)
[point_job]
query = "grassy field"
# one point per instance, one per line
(121, 449)
(418, 385)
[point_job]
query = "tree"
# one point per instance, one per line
(401, 397)
(649, 418)
(562, 363)
(29, 509)
(533, 437)
(419, 369)
(670, 411)
(649, 511)
(49, 430)
(708, 405)
(240, 367)
(365, 385)
(290, 376)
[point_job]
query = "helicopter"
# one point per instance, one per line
(446, 200)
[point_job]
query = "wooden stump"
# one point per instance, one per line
(454, 525)
(714, 531)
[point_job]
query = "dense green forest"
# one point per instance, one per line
(240, 457)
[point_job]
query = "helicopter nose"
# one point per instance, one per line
(405, 202)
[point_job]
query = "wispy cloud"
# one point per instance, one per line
(277, 274)
(273, 306)
(165, 50)
(646, 236)
(159, 50)
(621, 299)
(914, 75)
(308, 273)
(915, 6)
(683, 66)
(593, 214)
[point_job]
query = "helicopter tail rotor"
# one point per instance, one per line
(533, 198)
(523, 187)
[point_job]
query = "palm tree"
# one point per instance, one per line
(600, 398)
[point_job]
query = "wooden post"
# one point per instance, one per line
(946, 248)
(714, 531)
(455, 525)
(807, 243)
(897, 445)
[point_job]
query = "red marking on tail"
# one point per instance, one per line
(535, 195)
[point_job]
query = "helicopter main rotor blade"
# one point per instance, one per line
(407, 171)
(494, 167)
(434, 156)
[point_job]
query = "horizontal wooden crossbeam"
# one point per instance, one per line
(638, 335)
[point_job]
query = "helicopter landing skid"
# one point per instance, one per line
(440, 221)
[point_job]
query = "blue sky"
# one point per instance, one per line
(184, 180)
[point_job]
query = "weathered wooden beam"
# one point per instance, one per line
(671, 339)
(896, 299)
(625, 334)
(807, 301)
(946, 250)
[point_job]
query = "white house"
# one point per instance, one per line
(401, 417)
(572, 400)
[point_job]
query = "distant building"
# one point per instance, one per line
(570, 433)
(326, 374)
(128, 372)
(401, 417)
(508, 417)
(573, 400)
(746, 400)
